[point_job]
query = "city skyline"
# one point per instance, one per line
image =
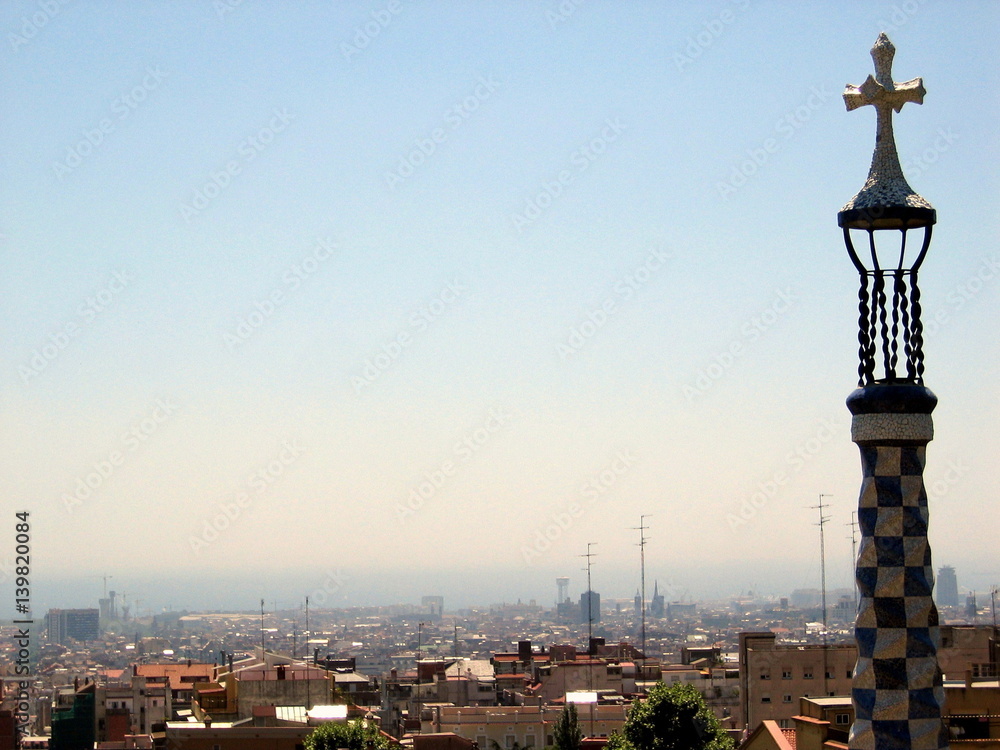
(428, 293)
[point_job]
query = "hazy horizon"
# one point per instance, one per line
(344, 586)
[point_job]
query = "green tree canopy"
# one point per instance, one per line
(354, 735)
(673, 717)
(567, 734)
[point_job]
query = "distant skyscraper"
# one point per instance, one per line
(63, 625)
(590, 600)
(970, 607)
(638, 604)
(947, 587)
(562, 589)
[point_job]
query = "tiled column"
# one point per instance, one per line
(897, 691)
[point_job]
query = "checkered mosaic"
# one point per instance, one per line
(897, 689)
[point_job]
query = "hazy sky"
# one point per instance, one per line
(401, 289)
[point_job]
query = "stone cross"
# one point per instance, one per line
(886, 185)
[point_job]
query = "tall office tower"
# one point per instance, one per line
(63, 625)
(590, 601)
(947, 587)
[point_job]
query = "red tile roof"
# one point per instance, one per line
(779, 736)
(180, 676)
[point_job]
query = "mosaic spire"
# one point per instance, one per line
(886, 186)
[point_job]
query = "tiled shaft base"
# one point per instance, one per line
(897, 690)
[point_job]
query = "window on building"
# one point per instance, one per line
(829, 674)
(765, 699)
(786, 674)
(850, 674)
(842, 719)
(481, 740)
(785, 723)
(765, 674)
(529, 740)
(807, 673)
(509, 741)
(786, 699)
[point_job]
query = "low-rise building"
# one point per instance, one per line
(773, 677)
(528, 726)
(281, 685)
(972, 712)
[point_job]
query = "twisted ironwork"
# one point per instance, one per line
(890, 333)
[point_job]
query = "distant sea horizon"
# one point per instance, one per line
(345, 586)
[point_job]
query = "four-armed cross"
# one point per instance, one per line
(886, 185)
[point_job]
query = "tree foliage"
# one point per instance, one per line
(567, 734)
(673, 717)
(354, 735)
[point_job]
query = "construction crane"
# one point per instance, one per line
(105, 578)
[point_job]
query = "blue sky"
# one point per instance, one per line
(285, 259)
